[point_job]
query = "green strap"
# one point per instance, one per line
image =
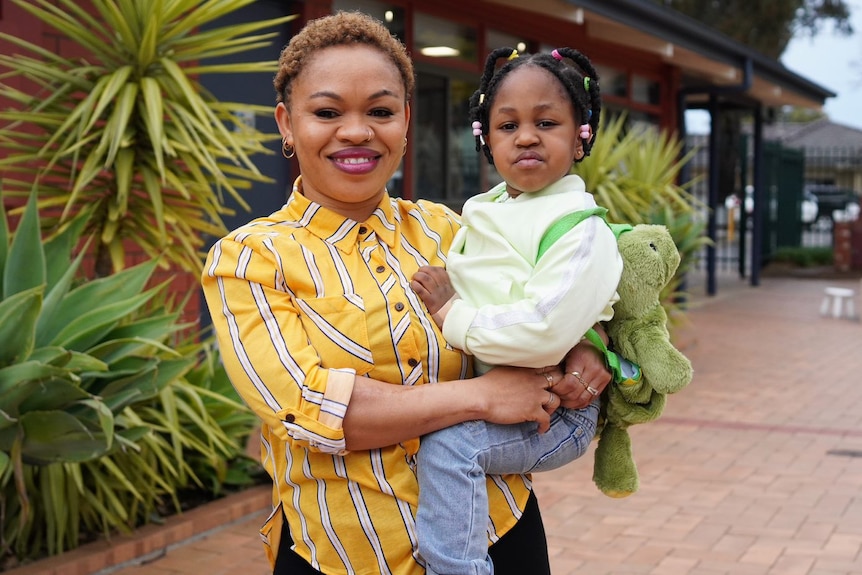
(611, 358)
(559, 228)
(618, 229)
(562, 226)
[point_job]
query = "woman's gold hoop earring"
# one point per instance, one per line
(404, 152)
(287, 150)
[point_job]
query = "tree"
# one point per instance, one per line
(766, 27)
(800, 115)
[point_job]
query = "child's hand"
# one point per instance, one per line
(432, 285)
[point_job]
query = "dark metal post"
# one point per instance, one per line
(757, 211)
(714, 160)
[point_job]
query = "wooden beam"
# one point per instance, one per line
(608, 31)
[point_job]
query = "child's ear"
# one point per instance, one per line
(579, 151)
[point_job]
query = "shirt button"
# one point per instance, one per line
(362, 229)
(380, 269)
(412, 362)
(289, 418)
(399, 306)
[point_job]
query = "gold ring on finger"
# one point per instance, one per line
(550, 379)
(580, 379)
(593, 391)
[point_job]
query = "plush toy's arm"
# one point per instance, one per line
(625, 413)
(665, 368)
(646, 341)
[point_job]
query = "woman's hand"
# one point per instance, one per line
(517, 394)
(585, 377)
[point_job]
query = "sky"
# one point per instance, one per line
(830, 60)
(835, 63)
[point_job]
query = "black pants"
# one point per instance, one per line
(522, 550)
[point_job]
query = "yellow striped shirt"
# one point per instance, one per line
(301, 301)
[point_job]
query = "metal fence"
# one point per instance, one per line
(733, 244)
(787, 172)
(840, 165)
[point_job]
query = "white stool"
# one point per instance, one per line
(840, 300)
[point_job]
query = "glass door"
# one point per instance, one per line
(446, 163)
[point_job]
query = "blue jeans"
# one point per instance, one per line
(452, 519)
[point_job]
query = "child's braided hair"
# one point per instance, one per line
(579, 79)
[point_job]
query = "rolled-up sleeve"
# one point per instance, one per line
(265, 349)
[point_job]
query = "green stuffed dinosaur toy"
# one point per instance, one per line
(639, 334)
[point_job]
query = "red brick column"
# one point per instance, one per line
(847, 254)
(841, 255)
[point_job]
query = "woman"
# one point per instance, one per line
(324, 339)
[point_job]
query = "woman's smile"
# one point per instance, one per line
(356, 161)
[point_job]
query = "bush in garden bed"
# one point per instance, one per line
(104, 419)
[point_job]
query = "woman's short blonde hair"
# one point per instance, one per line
(342, 28)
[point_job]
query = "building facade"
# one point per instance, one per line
(653, 64)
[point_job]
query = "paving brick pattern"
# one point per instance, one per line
(754, 469)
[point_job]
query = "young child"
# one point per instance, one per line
(533, 268)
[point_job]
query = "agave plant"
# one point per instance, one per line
(99, 424)
(634, 173)
(127, 134)
(632, 170)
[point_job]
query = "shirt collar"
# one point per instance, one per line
(335, 229)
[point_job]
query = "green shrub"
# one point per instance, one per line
(804, 257)
(104, 419)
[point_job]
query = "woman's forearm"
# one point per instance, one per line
(382, 414)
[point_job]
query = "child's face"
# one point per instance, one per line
(533, 133)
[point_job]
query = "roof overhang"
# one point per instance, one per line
(707, 59)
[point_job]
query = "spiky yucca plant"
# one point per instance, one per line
(632, 170)
(127, 132)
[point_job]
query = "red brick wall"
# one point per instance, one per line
(848, 246)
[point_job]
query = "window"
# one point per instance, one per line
(445, 158)
(496, 39)
(392, 16)
(441, 39)
(646, 90)
(639, 96)
(613, 82)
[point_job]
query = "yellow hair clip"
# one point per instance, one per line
(513, 55)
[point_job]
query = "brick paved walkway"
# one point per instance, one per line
(754, 469)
